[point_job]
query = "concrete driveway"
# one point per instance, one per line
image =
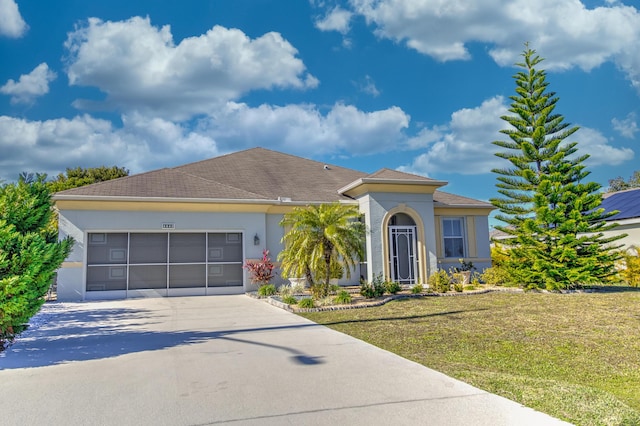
(223, 360)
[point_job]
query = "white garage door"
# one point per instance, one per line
(129, 264)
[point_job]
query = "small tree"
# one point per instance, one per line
(619, 184)
(551, 213)
(29, 253)
(319, 236)
(79, 176)
(262, 270)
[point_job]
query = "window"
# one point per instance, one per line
(453, 236)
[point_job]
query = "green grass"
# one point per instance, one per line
(574, 356)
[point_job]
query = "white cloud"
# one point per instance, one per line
(139, 66)
(29, 86)
(565, 32)
(303, 129)
(142, 144)
(369, 87)
(11, 22)
(337, 19)
(464, 145)
(627, 127)
(594, 143)
(147, 143)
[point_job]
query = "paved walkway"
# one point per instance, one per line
(223, 360)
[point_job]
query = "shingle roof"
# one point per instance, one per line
(449, 199)
(253, 174)
(626, 202)
(389, 174)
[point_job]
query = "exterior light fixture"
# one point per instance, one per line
(256, 240)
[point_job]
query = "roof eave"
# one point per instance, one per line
(366, 180)
(439, 204)
(278, 201)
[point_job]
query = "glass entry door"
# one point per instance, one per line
(402, 252)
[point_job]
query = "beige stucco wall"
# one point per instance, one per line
(476, 237)
(631, 227)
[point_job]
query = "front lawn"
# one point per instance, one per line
(574, 356)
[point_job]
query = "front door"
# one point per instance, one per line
(402, 250)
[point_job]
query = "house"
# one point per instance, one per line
(627, 203)
(188, 230)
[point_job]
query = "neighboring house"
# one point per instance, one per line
(188, 230)
(627, 203)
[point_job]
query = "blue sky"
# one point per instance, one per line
(412, 85)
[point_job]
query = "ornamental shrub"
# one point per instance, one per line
(289, 300)
(392, 287)
(261, 271)
(306, 303)
(631, 271)
(417, 289)
(267, 290)
(440, 281)
(496, 275)
(30, 253)
(373, 289)
(342, 298)
(285, 290)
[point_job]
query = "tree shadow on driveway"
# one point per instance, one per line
(69, 335)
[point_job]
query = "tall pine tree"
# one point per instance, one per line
(551, 215)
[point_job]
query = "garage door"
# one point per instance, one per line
(129, 264)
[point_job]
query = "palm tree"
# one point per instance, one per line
(320, 236)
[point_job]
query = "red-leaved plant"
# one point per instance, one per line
(262, 270)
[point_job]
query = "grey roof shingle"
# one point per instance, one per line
(253, 174)
(389, 174)
(449, 199)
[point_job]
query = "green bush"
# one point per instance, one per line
(342, 298)
(496, 275)
(267, 290)
(440, 281)
(317, 291)
(30, 253)
(289, 300)
(285, 290)
(631, 271)
(334, 288)
(392, 287)
(417, 289)
(470, 287)
(325, 301)
(372, 289)
(458, 287)
(306, 303)
(297, 288)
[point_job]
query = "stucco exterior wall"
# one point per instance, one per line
(77, 223)
(477, 240)
(377, 207)
(631, 227)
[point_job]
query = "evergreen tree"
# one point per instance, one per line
(29, 253)
(551, 214)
